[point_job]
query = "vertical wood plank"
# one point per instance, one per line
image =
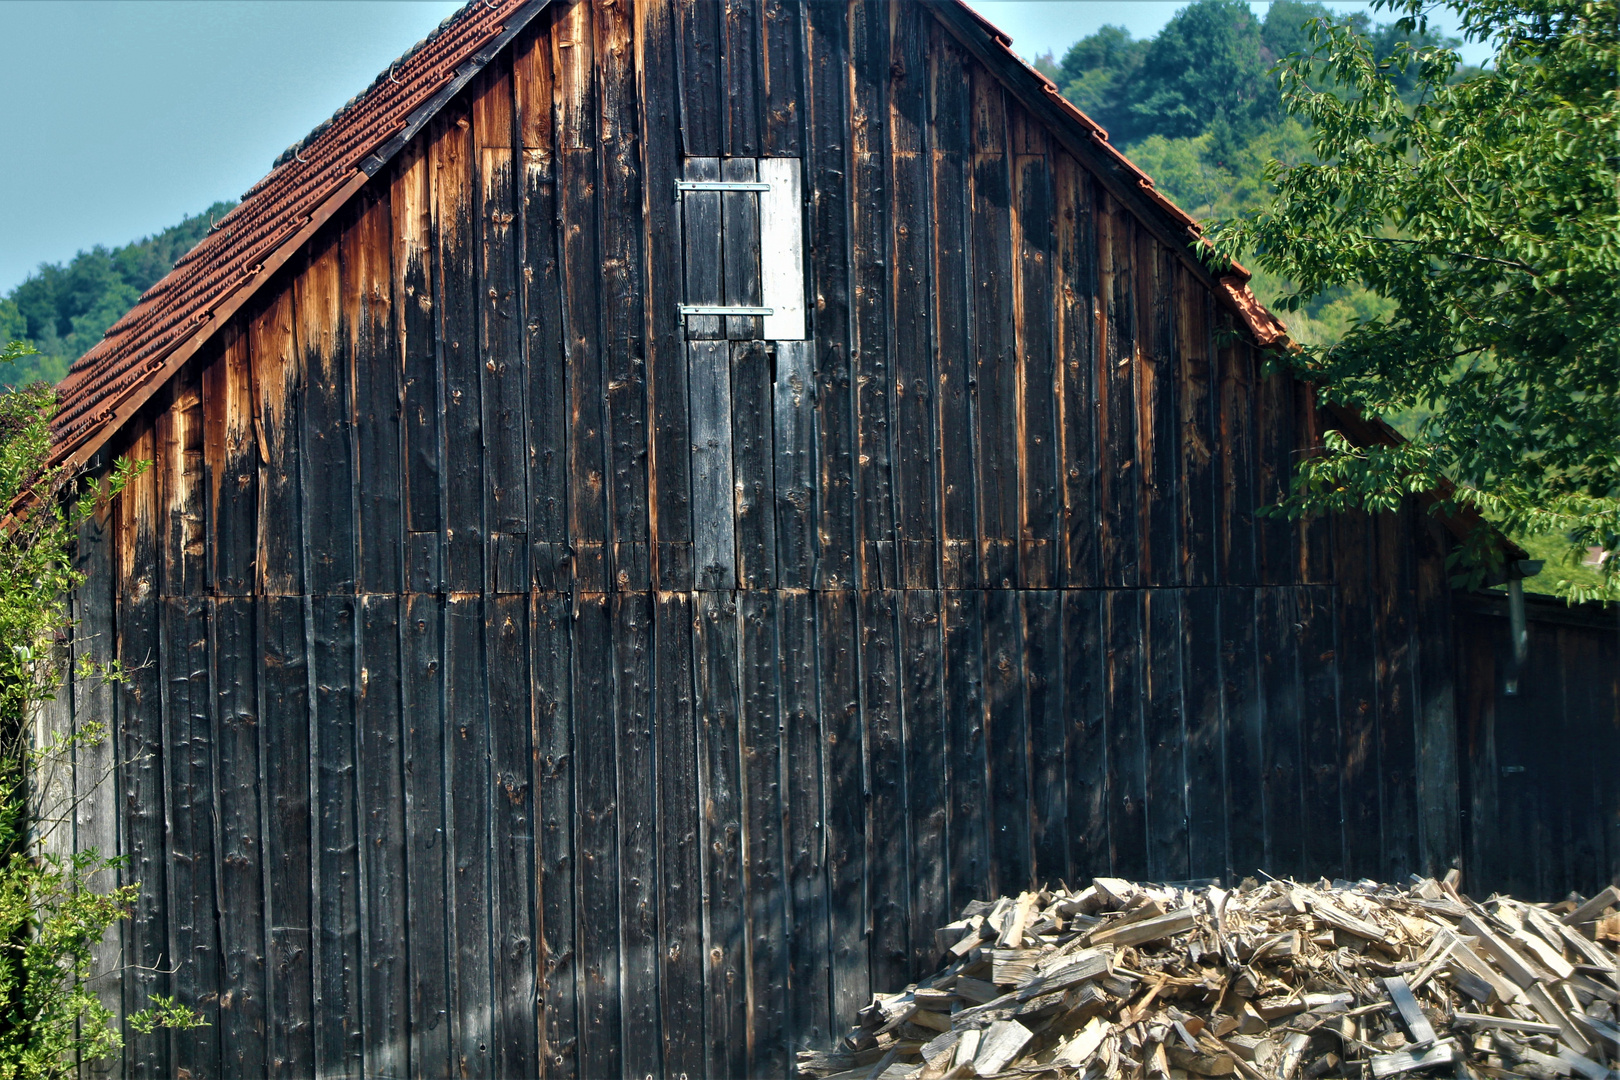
(885, 769)
(339, 1028)
(1397, 734)
(793, 414)
(1048, 737)
(385, 991)
(809, 979)
(725, 1019)
(1281, 784)
(1085, 672)
(328, 477)
(740, 64)
(1118, 474)
(1165, 737)
(740, 266)
(1323, 812)
(1313, 538)
(502, 370)
(1012, 864)
(638, 812)
(836, 628)
(1158, 424)
(703, 243)
(1127, 767)
(911, 256)
(701, 81)
(714, 538)
(949, 191)
(1234, 537)
(410, 203)
(1195, 406)
(141, 752)
(1275, 536)
(967, 817)
(1358, 694)
(1206, 746)
(763, 854)
(274, 357)
(782, 77)
(368, 322)
(922, 706)
(679, 830)
(429, 921)
(544, 335)
(230, 457)
(827, 52)
(1240, 688)
(597, 841)
(754, 472)
(1075, 294)
(1037, 373)
(514, 1023)
(619, 195)
(1439, 839)
(657, 43)
(456, 314)
(997, 411)
(553, 686)
(469, 806)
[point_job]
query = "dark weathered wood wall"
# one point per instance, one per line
(438, 755)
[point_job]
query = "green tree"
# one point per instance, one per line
(1484, 212)
(50, 916)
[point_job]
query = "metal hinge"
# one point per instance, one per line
(720, 185)
(711, 309)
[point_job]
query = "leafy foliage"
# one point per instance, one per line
(50, 915)
(62, 310)
(1484, 214)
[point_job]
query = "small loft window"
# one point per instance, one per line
(742, 222)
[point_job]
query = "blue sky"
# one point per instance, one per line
(120, 117)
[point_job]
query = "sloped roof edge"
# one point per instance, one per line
(309, 183)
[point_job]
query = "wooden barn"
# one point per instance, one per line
(657, 503)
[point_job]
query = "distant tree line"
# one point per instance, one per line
(64, 309)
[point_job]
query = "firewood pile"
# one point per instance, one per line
(1280, 981)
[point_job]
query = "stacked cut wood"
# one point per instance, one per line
(1280, 981)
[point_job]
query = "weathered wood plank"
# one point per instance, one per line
(573, 47)
(1037, 369)
(922, 706)
(231, 459)
(1044, 707)
(638, 813)
(680, 852)
(836, 626)
(469, 810)
(367, 318)
(1158, 422)
(1276, 635)
(701, 80)
(1118, 471)
(502, 361)
(1244, 722)
(327, 454)
(1234, 537)
(410, 204)
(620, 204)
(1165, 738)
(430, 923)
(714, 537)
(948, 196)
(1195, 409)
(739, 227)
(1323, 810)
(1007, 743)
(741, 66)
(807, 1020)
(1127, 768)
(289, 824)
(1397, 733)
(911, 257)
(754, 471)
(339, 1024)
(703, 242)
(995, 358)
(793, 405)
(274, 357)
(1358, 715)
(514, 1023)
(1275, 537)
(764, 867)
(1205, 748)
(385, 989)
(456, 325)
(1085, 703)
(887, 893)
(1074, 269)
(596, 840)
(717, 685)
(827, 52)
(552, 681)
(871, 359)
(967, 815)
(544, 358)
(782, 77)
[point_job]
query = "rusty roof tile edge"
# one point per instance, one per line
(111, 411)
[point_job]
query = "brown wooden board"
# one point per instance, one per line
(469, 810)
(1007, 743)
(1037, 368)
(1322, 818)
(762, 764)
(511, 776)
(1235, 436)
(883, 750)
(1276, 537)
(967, 825)
(1244, 720)
(753, 467)
(1085, 684)
(1158, 419)
(410, 203)
(638, 815)
(1118, 471)
(871, 357)
(385, 993)
(327, 481)
(1074, 285)
(1206, 743)
(716, 652)
(995, 359)
(596, 838)
(1127, 766)
(619, 200)
(1196, 404)
(1164, 734)
(828, 265)
(456, 319)
(1044, 710)
(1358, 715)
(922, 705)
(837, 624)
(330, 634)
(1392, 623)
(740, 63)
(680, 855)
(552, 682)
(429, 922)
(808, 1024)
(740, 280)
(274, 358)
(782, 76)
(366, 281)
(701, 81)
(231, 457)
(703, 245)
(1281, 792)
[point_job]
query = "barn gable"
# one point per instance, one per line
(528, 674)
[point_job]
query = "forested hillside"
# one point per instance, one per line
(63, 309)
